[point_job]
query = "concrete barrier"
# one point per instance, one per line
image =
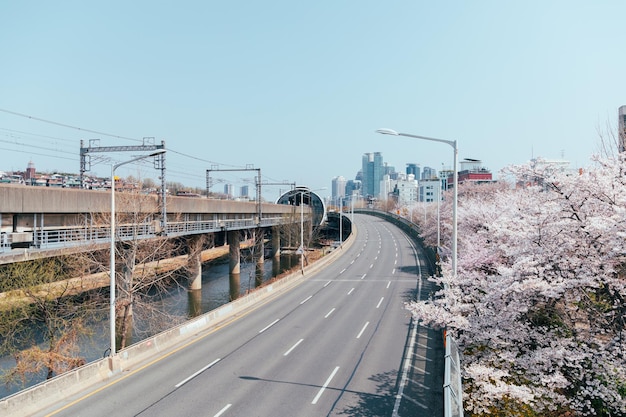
(45, 394)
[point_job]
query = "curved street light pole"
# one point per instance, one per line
(112, 255)
(452, 143)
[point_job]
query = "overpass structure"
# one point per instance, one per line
(40, 222)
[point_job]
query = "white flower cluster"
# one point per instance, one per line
(538, 305)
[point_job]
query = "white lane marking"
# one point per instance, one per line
(371, 266)
(306, 299)
(388, 284)
(342, 271)
(362, 330)
(329, 313)
(192, 376)
(327, 284)
(380, 302)
(293, 347)
(223, 410)
(321, 391)
(350, 292)
(393, 271)
(269, 325)
(363, 276)
(352, 262)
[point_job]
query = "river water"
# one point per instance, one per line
(173, 306)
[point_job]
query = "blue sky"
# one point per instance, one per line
(298, 88)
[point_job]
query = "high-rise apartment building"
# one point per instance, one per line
(338, 187)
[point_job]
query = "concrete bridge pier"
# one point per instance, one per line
(275, 243)
(260, 257)
(194, 261)
(234, 264)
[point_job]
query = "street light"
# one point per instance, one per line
(456, 186)
(301, 191)
(112, 259)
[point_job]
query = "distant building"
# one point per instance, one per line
(353, 188)
(413, 169)
(429, 173)
(31, 174)
(406, 189)
(244, 191)
(338, 188)
(387, 186)
(228, 190)
(372, 172)
(471, 170)
(430, 190)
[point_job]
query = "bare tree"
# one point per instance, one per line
(141, 274)
(44, 315)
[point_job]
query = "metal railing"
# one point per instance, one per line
(452, 386)
(54, 238)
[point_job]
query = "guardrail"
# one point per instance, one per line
(452, 386)
(54, 238)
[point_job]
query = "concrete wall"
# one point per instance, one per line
(25, 199)
(47, 393)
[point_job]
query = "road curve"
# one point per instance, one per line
(340, 343)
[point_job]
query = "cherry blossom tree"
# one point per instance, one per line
(538, 304)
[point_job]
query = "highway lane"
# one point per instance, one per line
(334, 345)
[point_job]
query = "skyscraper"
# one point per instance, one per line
(413, 168)
(373, 171)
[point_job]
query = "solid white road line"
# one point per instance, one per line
(269, 325)
(362, 330)
(189, 378)
(321, 391)
(223, 410)
(293, 347)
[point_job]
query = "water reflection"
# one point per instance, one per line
(174, 306)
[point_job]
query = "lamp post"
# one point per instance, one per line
(456, 186)
(112, 258)
(301, 191)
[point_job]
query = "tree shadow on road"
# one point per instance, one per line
(374, 405)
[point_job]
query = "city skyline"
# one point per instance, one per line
(264, 85)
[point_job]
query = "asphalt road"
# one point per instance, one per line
(339, 344)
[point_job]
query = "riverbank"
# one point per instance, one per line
(15, 298)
